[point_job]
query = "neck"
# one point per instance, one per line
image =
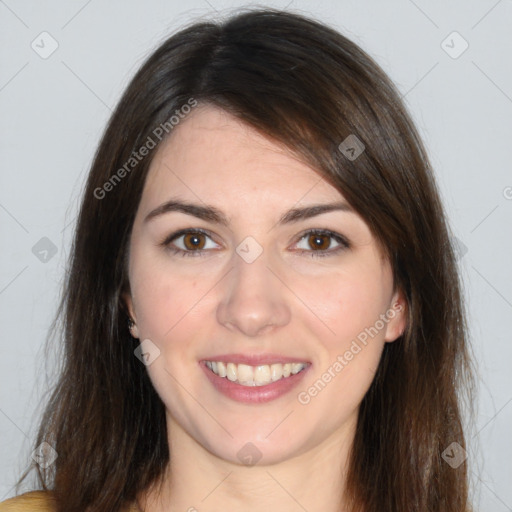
(198, 481)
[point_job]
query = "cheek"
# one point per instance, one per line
(348, 355)
(347, 305)
(163, 298)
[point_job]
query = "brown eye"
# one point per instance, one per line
(193, 241)
(189, 242)
(321, 242)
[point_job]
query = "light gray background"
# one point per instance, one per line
(55, 109)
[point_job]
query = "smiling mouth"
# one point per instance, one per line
(260, 375)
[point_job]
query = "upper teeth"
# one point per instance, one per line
(254, 375)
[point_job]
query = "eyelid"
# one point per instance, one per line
(343, 243)
(342, 240)
(177, 234)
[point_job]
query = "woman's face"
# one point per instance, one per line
(262, 286)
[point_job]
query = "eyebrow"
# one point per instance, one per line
(214, 215)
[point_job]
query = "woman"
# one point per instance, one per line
(263, 308)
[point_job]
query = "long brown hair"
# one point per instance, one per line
(309, 87)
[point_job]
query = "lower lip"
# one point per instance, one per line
(254, 394)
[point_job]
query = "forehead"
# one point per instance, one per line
(213, 155)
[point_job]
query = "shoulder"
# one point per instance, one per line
(40, 501)
(34, 501)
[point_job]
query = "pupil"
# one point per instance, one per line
(192, 241)
(317, 241)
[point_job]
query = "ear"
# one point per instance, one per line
(396, 315)
(128, 302)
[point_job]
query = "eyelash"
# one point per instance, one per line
(344, 244)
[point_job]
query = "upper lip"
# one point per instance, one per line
(255, 359)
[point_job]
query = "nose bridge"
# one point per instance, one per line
(253, 299)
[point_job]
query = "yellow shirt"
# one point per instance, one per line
(38, 501)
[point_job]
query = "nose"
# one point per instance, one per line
(253, 300)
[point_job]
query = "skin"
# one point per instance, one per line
(285, 302)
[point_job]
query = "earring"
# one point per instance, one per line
(131, 325)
